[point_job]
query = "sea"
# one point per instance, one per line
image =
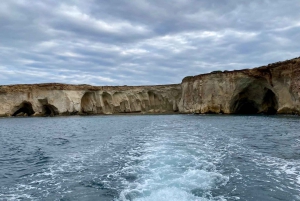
(150, 158)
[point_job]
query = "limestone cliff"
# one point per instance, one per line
(269, 89)
(61, 99)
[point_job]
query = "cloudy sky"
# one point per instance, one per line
(141, 42)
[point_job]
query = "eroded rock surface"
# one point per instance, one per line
(269, 89)
(61, 99)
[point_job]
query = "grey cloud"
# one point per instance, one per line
(141, 42)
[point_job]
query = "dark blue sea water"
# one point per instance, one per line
(150, 158)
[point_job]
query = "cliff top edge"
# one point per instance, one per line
(61, 86)
(250, 71)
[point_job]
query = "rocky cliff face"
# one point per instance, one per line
(60, 99)
(269, 89)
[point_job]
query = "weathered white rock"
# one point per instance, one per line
(269, 89)
(60, 99)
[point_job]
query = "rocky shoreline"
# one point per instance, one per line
(271, 89)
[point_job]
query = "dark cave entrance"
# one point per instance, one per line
(25, 108)
(270, 104)
(245, 106)
(251, 102)
(50, 110)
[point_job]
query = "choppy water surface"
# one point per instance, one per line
(150, 158)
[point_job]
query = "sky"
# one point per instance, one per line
(141, 42)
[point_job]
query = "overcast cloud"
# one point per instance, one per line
(139, 42)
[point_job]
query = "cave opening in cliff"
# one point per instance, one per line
(270, 103)
(25, 108)
(254, 101)
(107, 101)
(88, 103)
(245, 106)
(50, 110)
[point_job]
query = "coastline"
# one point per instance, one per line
(271, 89)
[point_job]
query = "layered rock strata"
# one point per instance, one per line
(268, 89)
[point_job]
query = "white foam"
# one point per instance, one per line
(172, 167)
(168, 194)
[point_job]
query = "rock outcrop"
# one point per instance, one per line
(269, 89)
(60, 99)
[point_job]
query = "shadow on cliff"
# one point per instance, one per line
(48, 109)
(123, 102)
(88, 103)
(91, 103)
(24, 108)
(108, 103)
(255, 98)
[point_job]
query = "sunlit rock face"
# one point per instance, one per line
(269, 89)
(60, 99)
